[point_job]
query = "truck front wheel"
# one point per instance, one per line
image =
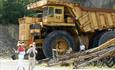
(59, 41)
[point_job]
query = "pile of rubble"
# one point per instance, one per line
(8, 39)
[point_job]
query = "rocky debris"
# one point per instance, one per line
(96, 3)
(8, 39)
(4, 52)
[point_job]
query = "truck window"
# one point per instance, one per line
(35, 26)
(45, 11)
(58, 11)
(51, 11)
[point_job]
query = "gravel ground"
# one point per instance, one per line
(8, 64)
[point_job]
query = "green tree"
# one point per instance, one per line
(14, 9)
(11, 11)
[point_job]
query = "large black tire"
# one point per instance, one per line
(105, 37)
(94, 44)
(110, 61)
(51, 39)
(96, 40)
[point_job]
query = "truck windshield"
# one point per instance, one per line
(51, 11)
(48, 11)
(45, 11)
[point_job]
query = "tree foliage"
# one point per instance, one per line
(13, 9)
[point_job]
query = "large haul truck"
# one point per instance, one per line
(64, 25)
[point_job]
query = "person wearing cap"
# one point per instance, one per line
(32, 60)
(21, 53)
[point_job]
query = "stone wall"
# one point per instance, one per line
(96, 3)
(8, 37)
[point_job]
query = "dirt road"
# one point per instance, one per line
(8, 64)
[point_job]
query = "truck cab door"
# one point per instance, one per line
(48, 14)
(59, 14)
(53, 14)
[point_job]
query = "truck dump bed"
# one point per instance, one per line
(96, 19)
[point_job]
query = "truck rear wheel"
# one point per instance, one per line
(95, 44)
(105, 37)
(109, 61)
(99, 39)
(59, 40)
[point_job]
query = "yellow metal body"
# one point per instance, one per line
(90, 19)
(67, 14)
(24, 27)
(57, 15)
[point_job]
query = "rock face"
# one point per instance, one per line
(97, 3)
(8, 37)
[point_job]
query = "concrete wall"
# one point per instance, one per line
(96, 3)
(8, 39)
(8, 36)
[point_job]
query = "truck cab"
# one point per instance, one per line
(53, 14)
(55, 20)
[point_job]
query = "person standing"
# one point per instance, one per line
(21, 53)
(32, 54)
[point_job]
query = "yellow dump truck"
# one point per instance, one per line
(65, 25)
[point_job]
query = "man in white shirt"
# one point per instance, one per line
(32, 54)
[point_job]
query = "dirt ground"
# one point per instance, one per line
(8, 64)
